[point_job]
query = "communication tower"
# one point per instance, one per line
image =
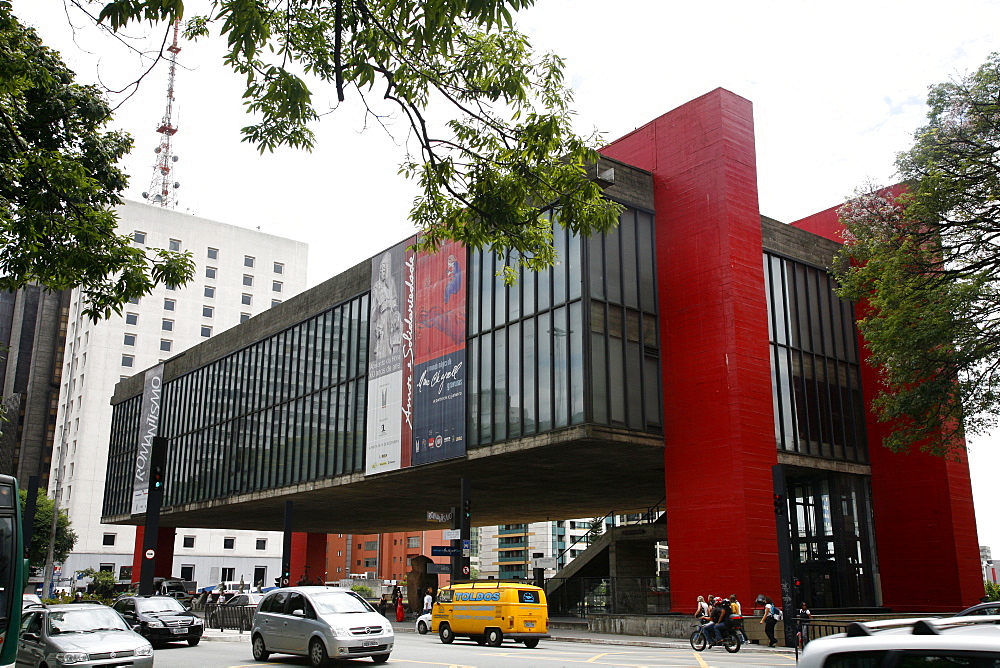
(162, 187)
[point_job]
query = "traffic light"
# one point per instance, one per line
(156, 478)
(467, 509)
(779, 504)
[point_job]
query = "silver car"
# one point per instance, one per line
(321, 623)
(80, 634)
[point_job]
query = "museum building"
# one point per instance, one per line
(698, 333)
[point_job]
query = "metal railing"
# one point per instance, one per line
(224, 617)
(599, 526)
(580, 597)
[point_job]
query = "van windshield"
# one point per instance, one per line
(334, 602)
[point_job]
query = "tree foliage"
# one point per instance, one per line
(59, 182)
(927, 260)
(42, 528)
(102, 582)
(489, 174)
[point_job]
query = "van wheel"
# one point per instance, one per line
(446, 635)
(317, 654)
(260, 652)
(531, 643)
(494, 637)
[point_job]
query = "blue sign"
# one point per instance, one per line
(445, 551)
(466, 544)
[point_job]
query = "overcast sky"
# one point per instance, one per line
(837, 88)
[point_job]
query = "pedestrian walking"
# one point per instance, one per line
(772, 615)
(803, 616)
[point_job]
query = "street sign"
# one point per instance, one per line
(544, 562)
(444, 551)
(451, 534)
(465, 570)
(438, 569)
(466, 544)
(435, 516)
(150, 554)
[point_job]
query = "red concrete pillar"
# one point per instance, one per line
(308, 557)
(718, 415)
(164, 552)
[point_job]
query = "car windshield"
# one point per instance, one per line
(158, 605)
(85, 620)
(338, 602)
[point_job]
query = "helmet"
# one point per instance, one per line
(718, 600)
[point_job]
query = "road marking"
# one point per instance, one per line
(701, 661)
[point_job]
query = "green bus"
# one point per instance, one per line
(13, 568)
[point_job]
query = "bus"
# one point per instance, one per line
(13, 568)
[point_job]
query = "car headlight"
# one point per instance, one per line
(145, 650)
(154, 624)
(197, 621)
(340, 632)
(71, 657)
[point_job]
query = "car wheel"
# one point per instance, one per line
(421, 628)
(193, 641)
(494, 637)
(317, 653)
(380, 658)
(260, 652)
(531, 643)
(446, 635)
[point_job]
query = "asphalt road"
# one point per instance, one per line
(418, 651)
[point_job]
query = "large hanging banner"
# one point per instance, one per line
(439, 372)
(385, 362)
(149, 422)
(416, 359)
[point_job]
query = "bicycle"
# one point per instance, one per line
(730, 639)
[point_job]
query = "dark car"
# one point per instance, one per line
(161, 619)
(990, 608)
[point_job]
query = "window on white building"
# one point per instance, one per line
(207, 311)
(244, 317)
(276, 286)
(169, 304)
(210, 292)
(139, 237)
(167, 326)
(131, 318)
(174, 244)
(166, 345)
(228, 543)
(109, 539)
(129, 339)
(210, 272)
(248, 261)
(248, 280)
(279, 268)
(206, 331)
(213, 253)
(128, 360)
(188, 541)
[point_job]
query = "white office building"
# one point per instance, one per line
(239, 273)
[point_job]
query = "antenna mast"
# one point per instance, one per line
(162, 186)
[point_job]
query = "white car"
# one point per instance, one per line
(972, 641)
(424, 623)
(320, 623)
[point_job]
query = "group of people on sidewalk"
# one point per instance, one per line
(722, 614)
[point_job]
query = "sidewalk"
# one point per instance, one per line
(561, 630)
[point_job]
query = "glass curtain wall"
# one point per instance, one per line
(284, 410)
(816, 379)
(555, 348)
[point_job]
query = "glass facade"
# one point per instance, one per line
(534, 345)
(831, 538)
(284, 410)
(816, 379)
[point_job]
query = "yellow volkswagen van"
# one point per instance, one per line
(489, 611)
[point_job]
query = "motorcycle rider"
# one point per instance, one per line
(718, 622)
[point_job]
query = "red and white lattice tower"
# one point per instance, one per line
(163, 185)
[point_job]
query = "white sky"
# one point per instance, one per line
(837, 90)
